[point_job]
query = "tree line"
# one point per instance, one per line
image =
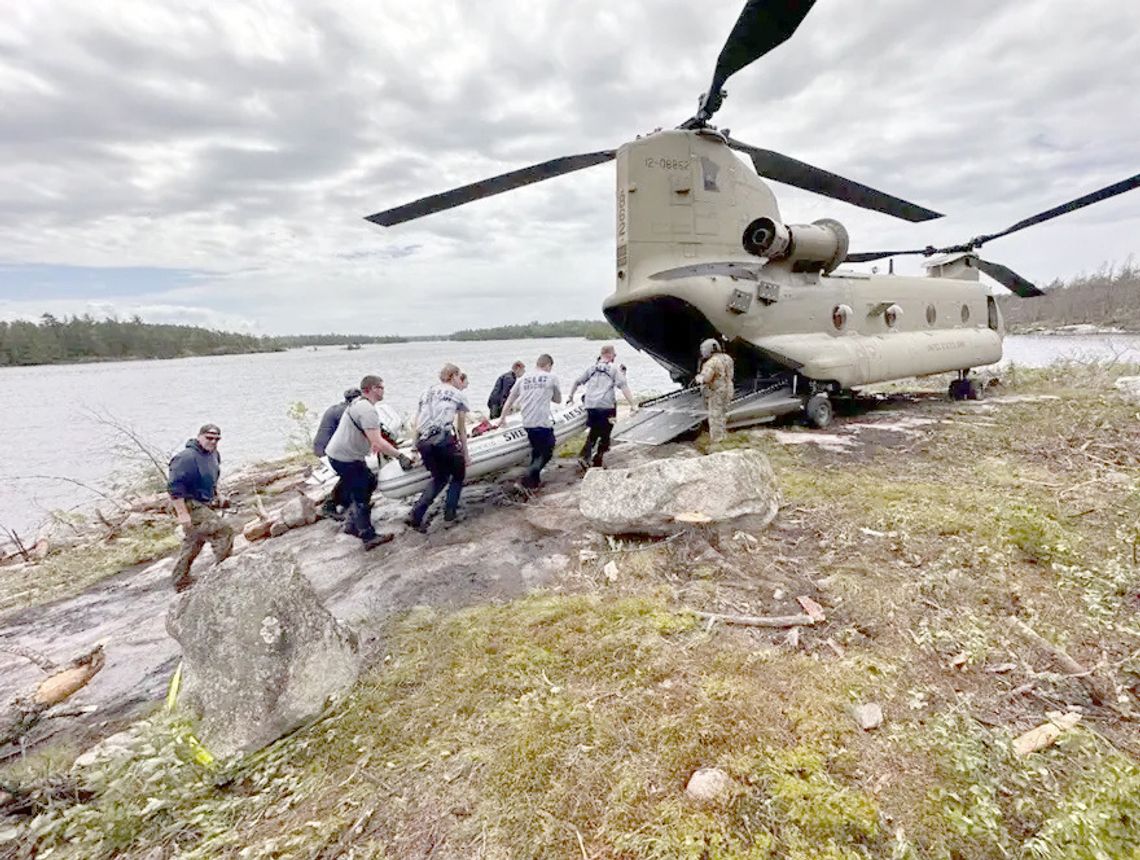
(592, 329)
(53, 340)
(1109, 297)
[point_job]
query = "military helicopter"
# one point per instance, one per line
(703, 252)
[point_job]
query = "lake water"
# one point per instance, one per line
(48, 414)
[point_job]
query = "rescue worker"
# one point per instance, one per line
(601, 404)
(441, 439)
(357, 435)
(533, 393)
(502, 389)
(193, 486)
(716, 378)
(337, 500)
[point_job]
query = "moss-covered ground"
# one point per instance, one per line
(566, 724)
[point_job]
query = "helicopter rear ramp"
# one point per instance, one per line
(665, 418)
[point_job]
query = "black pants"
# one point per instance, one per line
(446, 464)
(541, 450)
(359, 485)
(601, 424)
(338, 498)
(496, 409)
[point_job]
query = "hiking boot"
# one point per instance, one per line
(412, 523)
(376, 540)
(183, 583)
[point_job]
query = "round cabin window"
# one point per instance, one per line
(839, 316)
(891, 315)
(931, 314)
(965, 313)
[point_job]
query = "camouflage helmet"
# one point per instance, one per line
(708, 347)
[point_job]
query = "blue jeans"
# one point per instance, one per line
(359, 484)
(541, 450)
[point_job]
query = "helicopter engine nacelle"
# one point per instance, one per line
(819, 246)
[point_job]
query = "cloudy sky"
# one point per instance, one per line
(206, 162)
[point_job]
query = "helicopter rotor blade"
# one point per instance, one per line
(869, 256)
(762, 26)
(488, 187)
(782, 168)
(1009, 279)
(1072, 205)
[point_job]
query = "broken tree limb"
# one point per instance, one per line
(25, 713)
(777, 621)
(1045, 734)
(1063, 661)
(45, 663)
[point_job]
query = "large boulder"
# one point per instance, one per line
(649, 498)
(261, 655)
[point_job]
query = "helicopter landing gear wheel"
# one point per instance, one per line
(819, 410)
(959, 389)
(976, 390)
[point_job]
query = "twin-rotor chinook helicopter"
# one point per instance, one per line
(702, 251)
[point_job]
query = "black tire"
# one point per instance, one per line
(819, 410)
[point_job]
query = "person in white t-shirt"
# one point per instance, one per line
(600, 381)
(441, 439)
(533, 393)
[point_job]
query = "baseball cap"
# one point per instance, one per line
(211, 429)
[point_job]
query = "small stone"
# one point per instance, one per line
(708, 785)
(611, 571)
(278, 528)
(868, 716)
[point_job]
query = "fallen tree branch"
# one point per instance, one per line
(1064, 662)
(45, 663)
(776, 621)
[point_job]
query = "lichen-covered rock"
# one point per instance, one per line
(649, 498)
(261, 655)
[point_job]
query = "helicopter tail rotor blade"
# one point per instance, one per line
(1009, 279)
(762, 26)
(781, 168)
(488, 187)
(1079, 203)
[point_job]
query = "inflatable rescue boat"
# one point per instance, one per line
(491, 452)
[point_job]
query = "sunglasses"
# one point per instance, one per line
(210, 438)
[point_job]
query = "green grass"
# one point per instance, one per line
(72, 570)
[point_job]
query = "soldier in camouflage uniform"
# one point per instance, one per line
(716, 377)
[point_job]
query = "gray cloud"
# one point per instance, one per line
(251, 139)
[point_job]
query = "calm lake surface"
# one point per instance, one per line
(48, 414)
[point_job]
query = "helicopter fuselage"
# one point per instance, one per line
(703, 252)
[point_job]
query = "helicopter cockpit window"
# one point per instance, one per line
(891, 315)
(931, 314)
